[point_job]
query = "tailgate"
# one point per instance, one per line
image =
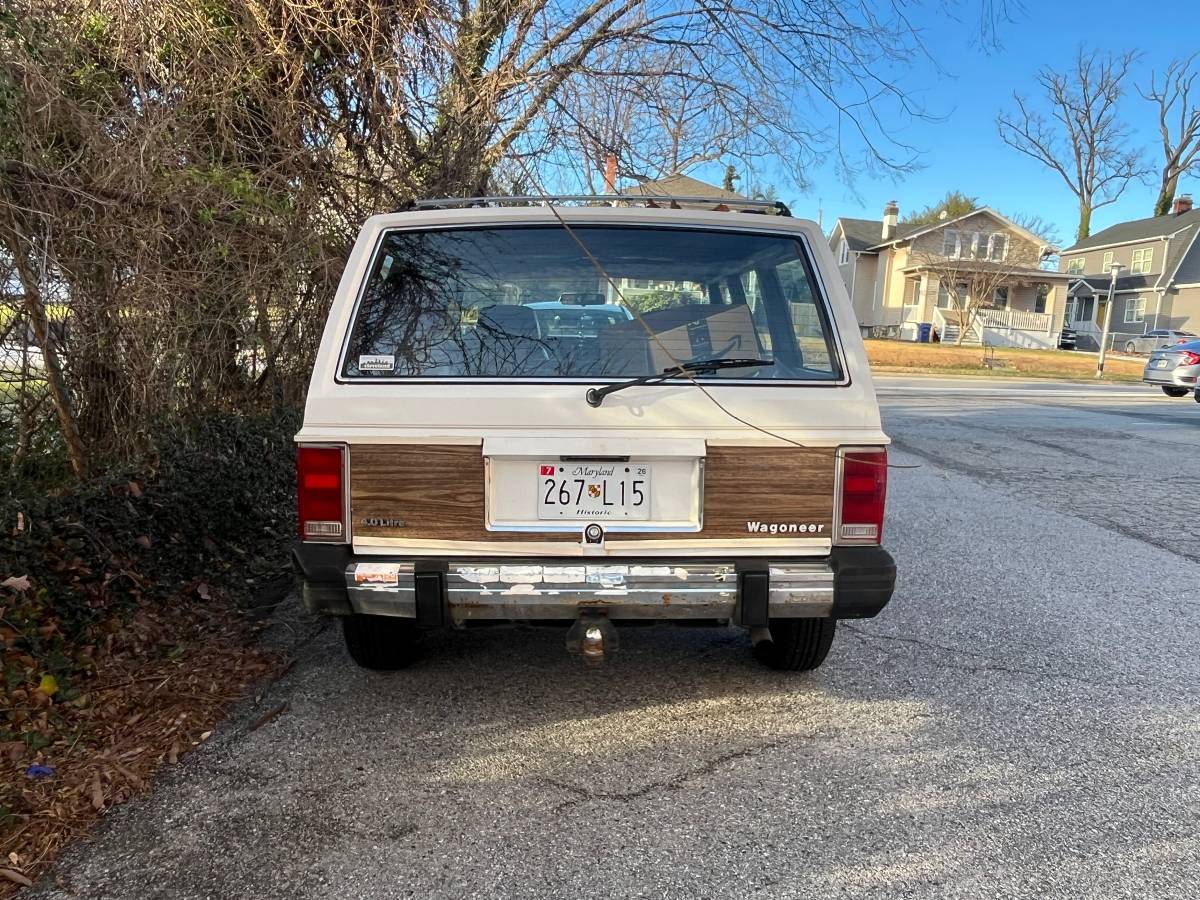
(457, 497)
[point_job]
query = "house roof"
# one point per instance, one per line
(866, 234)
(1099, 283)
(1137, 230)
(681, 186)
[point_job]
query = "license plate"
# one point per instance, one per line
(1160, 364)
(593, 491)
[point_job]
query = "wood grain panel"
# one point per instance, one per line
(781, 485)
(438, 492)
(437, 489)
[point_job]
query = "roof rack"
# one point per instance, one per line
(652, 201)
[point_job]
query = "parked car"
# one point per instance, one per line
(1067, 338)
(458, 466)
(1174, 369)
(1160, 337)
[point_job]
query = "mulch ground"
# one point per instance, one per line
(159, 688)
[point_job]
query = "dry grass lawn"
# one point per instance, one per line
(905, 356)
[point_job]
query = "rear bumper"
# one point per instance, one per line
(1180, 376)
(852, 582)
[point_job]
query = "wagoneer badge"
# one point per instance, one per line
(377, 522)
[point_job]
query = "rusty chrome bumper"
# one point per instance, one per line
(488, 590)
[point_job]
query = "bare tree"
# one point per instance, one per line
(181, 181)
(1080, 135)
(1178, 126)
(970, 281)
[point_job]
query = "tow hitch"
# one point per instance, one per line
(593, 637)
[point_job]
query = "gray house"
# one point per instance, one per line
(1159, 286)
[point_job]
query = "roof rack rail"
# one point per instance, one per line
(653, 201)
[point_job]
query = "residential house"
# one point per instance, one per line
(1157, 287)
(894, 274)
(708, 196)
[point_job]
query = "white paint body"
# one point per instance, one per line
(527, 421)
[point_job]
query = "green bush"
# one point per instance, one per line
(212, 513)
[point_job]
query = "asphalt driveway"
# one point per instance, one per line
(1021, 721)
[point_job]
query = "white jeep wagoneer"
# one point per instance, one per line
(592, 413)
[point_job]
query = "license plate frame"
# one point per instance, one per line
(1161, 363)
(593, 491)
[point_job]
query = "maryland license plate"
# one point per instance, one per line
(593, 491)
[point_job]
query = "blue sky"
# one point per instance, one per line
(963, 150)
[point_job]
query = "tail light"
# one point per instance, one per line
(1189, 358)
(864, 489)
(321, 493)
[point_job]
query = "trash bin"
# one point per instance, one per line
(924, 331)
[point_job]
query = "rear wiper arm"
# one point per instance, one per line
(595, 396)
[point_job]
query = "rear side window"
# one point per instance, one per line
(529, 302)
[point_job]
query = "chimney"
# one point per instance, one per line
(610, 174)
(891, 214)
(1183, 204)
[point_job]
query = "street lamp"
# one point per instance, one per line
(1112, 289)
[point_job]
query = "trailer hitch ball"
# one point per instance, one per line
(593, 637)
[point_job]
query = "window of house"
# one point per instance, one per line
(843, 253)
(998, 247)
(1075, 266)
(950, 242)
(1039, 300)
(1108, 261)
(946, 301)
(912, 292)
(1135, 310)
(1000, 298)
(1142, 261)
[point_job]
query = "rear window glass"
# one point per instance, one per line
(528, 302)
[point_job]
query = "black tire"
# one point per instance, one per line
(383, 643)
(796, 645)
(1175, 391)
(1130, 347)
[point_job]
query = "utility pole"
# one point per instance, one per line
(1112, 290)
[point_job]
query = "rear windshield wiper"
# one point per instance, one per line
(595, 396)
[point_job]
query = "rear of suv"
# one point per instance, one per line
(587, 416)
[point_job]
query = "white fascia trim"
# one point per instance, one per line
(1157, 237)
(1185, 255)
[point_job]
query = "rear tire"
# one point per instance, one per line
(383, 643)
(1130, 347)
(796, 645)
(1175, 391)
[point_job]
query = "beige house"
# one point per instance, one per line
(903, 276)
(1158, 285)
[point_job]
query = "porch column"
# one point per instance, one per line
(922, 316)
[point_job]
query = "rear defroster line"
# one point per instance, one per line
(676, 363)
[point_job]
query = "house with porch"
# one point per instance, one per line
(1158, 285)
(903, 276)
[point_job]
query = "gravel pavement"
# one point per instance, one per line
(1023, 720)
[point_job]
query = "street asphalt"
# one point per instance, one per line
(1022, 721)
